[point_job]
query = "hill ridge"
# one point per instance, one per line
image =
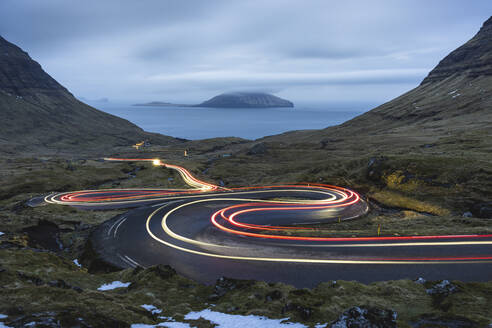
(474, 58)
(39, 114)
(457, 102)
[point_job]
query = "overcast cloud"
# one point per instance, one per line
(187, 51)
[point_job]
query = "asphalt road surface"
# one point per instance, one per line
(208, 232)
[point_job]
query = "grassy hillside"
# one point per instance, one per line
(429, 149)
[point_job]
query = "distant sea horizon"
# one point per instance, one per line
(196, 123)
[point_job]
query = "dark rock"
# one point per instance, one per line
(132, 286)
(258, 149)
(163, 271)
(15, 311)
(59, 284)
(65, 318)
(82, 226)
(325, 143)
(223, 285)
(443, 288)
(77, 289)
(32, 279)
(19, 207)
(214, 297)
(101, 266)
(94, 264)
(305, 312)
(482, 210)
(273, 295)
(365, 317)
(44, 235)
(302, 311)
(44, 319)
(440, 292)
(137, 270)
(375, 168)
(301, 292)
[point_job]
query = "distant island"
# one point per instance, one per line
(246, 100)
(233, 100)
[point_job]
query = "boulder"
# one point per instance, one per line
(365, 317)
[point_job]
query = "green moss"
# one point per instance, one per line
(398, 200)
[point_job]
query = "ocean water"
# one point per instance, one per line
(201, 123)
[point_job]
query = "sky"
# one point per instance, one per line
(186, 51)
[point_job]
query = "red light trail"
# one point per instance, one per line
(328, 203)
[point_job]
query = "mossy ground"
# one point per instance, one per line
(413, 187)
(398, 223)
(30, 285)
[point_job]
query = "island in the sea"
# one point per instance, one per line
(234, 100)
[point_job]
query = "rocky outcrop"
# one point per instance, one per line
(246, 100)
(365, 317)
(223, 285)
(258, 149)
(473, 59)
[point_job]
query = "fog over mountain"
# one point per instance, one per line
(188, 51)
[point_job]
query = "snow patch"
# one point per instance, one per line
(151, 308)
(450, 93)
(2, 325)
(76, 262)
(113, 285)
(224, 320)
(162, 324)
(1, 233)
(174, 325)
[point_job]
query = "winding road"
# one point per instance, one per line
(250, 233)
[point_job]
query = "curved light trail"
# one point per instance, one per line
(261, 224)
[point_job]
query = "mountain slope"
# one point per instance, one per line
(39, 114)
(456, 98)
(472, 59)
(428, 150)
